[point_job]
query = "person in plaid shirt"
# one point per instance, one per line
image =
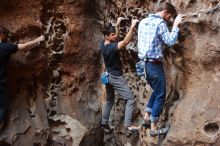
(153, 34)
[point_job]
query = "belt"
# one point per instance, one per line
(155, 61)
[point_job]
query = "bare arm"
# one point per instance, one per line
(129, 35)
(30, 43)
(117, 28)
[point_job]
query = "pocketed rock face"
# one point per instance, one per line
(195, 119)
(191, 68)
(55, 94)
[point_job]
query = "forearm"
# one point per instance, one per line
(24, 46)
(117, 28)
(127, 39)
(30, 43)
(129, 36)
(171, 37)
(168, 37)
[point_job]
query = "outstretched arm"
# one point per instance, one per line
(129, 35)
(30, 43)
(117, 27)
(170, 38)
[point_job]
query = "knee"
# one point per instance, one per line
(109, 102)
(130, 101)
(161, 93)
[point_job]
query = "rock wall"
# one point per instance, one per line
(191, 66)
(55, 93)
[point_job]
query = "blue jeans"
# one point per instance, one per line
(157, 81)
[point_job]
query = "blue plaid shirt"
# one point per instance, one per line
(153, 33)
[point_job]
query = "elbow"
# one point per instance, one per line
(125, 43)
(171, 42)
(122, 44)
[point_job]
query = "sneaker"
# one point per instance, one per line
(106, 128)
(131, 129)
(160, 131)
(146, 124)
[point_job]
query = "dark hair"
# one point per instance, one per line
(3, 30)
(108, 29)
(168, 7)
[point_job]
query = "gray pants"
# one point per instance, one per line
(120, 85)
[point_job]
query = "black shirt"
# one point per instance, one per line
(111, 58)
(5, 52)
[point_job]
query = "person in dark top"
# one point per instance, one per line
(110, 52)
(6, 50)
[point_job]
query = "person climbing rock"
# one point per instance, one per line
(153, 34)
(110, 51)
(6, 50)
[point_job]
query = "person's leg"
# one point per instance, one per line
(3, 105)
(121, 87)
(2, 115)
(150, 103)
(128, 111)
(3, 102)
(150, 76)
(159, 87)
(106, 110)
(158, 84)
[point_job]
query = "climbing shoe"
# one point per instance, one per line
(106, 128)
(159, 131)
(129, 130)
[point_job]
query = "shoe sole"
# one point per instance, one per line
(161, 132)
